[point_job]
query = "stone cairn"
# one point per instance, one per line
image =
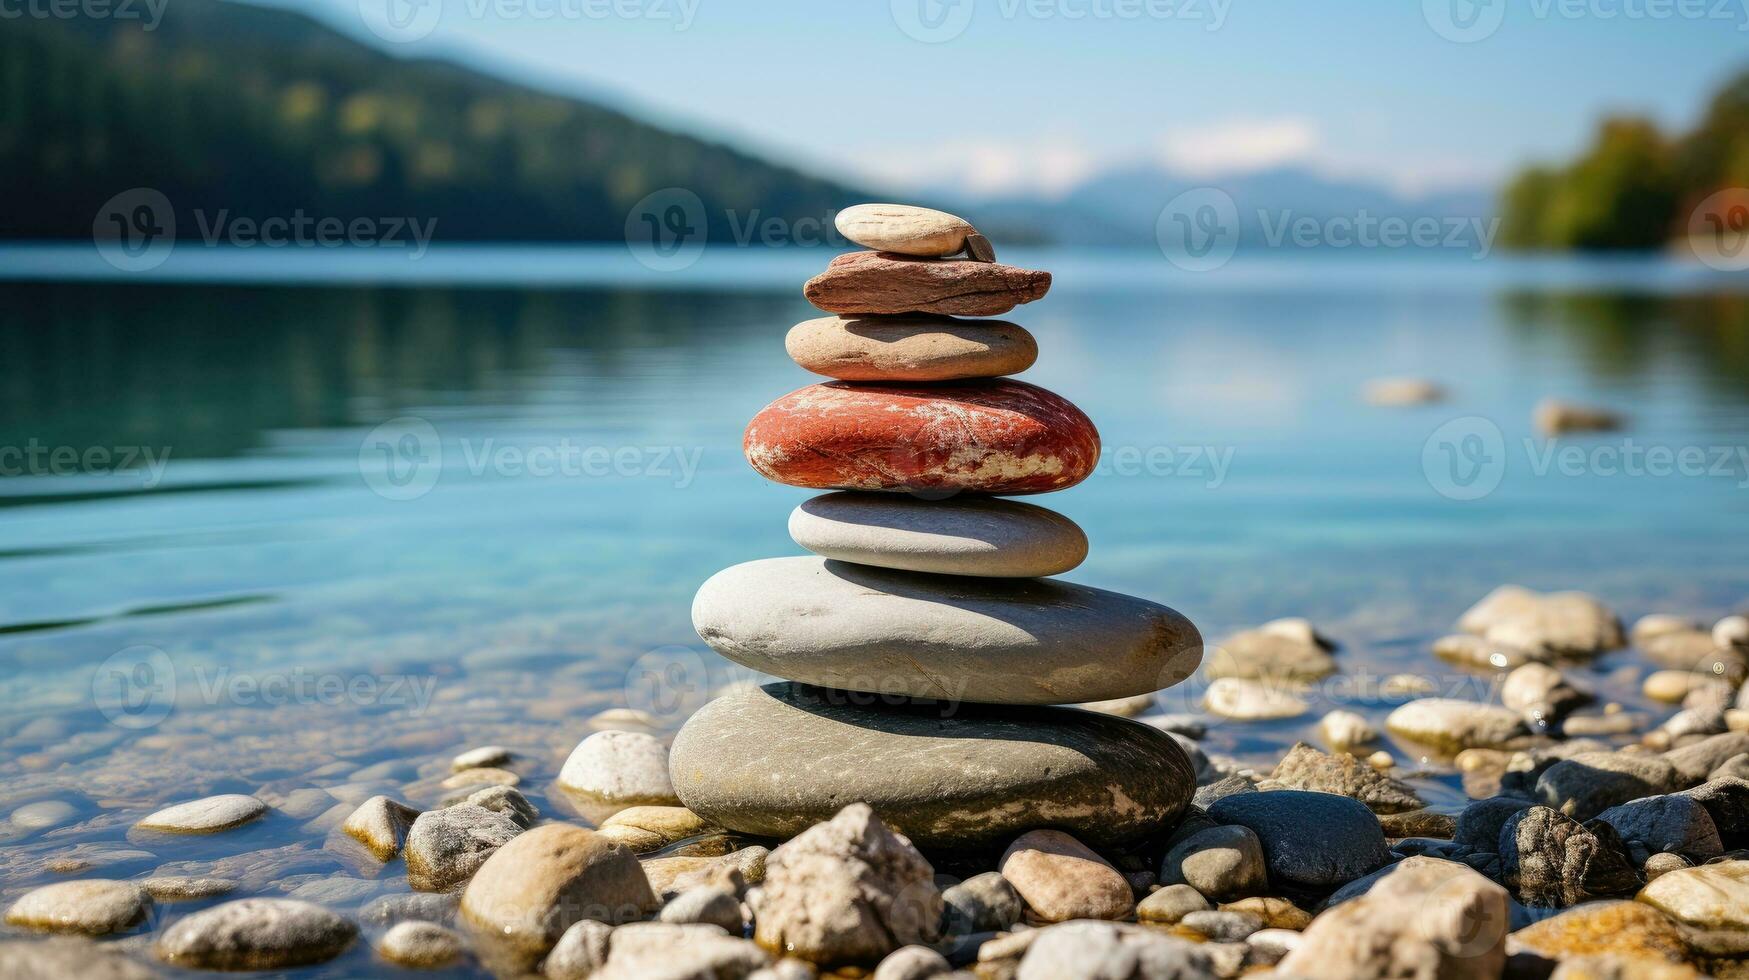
(923, 640)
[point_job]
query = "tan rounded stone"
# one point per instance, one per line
(904, 229)
(910, 347)
(94, 907)
(536, 886)
(1061, 878)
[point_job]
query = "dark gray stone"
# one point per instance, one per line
(1667, 825)
(1312, 840)
(775, 760)
(982, 903)
(1589, 783)
(1479, 825)
(1727, 802)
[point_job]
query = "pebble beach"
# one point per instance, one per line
(922, 754)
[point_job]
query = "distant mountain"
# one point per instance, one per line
(1121, 206)
(266, 113)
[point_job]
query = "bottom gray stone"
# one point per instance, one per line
(773, 761)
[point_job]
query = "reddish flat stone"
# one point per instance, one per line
(1000, 436)
(881, 282)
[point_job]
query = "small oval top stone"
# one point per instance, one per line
(962, 536)
(904, 229)
(910, 347)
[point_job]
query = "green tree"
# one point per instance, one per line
(1620, 195)
(1525, 209)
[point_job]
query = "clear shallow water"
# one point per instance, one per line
(264, 613)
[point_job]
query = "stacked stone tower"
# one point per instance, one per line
(923, 638)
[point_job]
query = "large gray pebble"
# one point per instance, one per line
(1313, 840)
(256, 934)
(773, 761)
(1004, 641)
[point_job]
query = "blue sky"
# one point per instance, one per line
(1032, 95)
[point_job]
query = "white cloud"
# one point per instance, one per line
(1239, 146)
(1048, 167)
(1051, 167)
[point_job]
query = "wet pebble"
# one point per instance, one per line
(1452, 726)
(1313, 840)
(187, 888)
(1061, 878)
(479, 758)
(445, 847)
(1222, 863)
(716, 905)
(610, 771)
(533, 887)
(256, 934)
(43, 814)
(982, 903)
(1246, 700)
(92, 906)
(381, 825)
(422, 945)
(205, 816)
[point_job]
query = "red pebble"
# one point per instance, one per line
(998, 436)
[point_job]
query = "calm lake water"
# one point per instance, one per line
(276, 523)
